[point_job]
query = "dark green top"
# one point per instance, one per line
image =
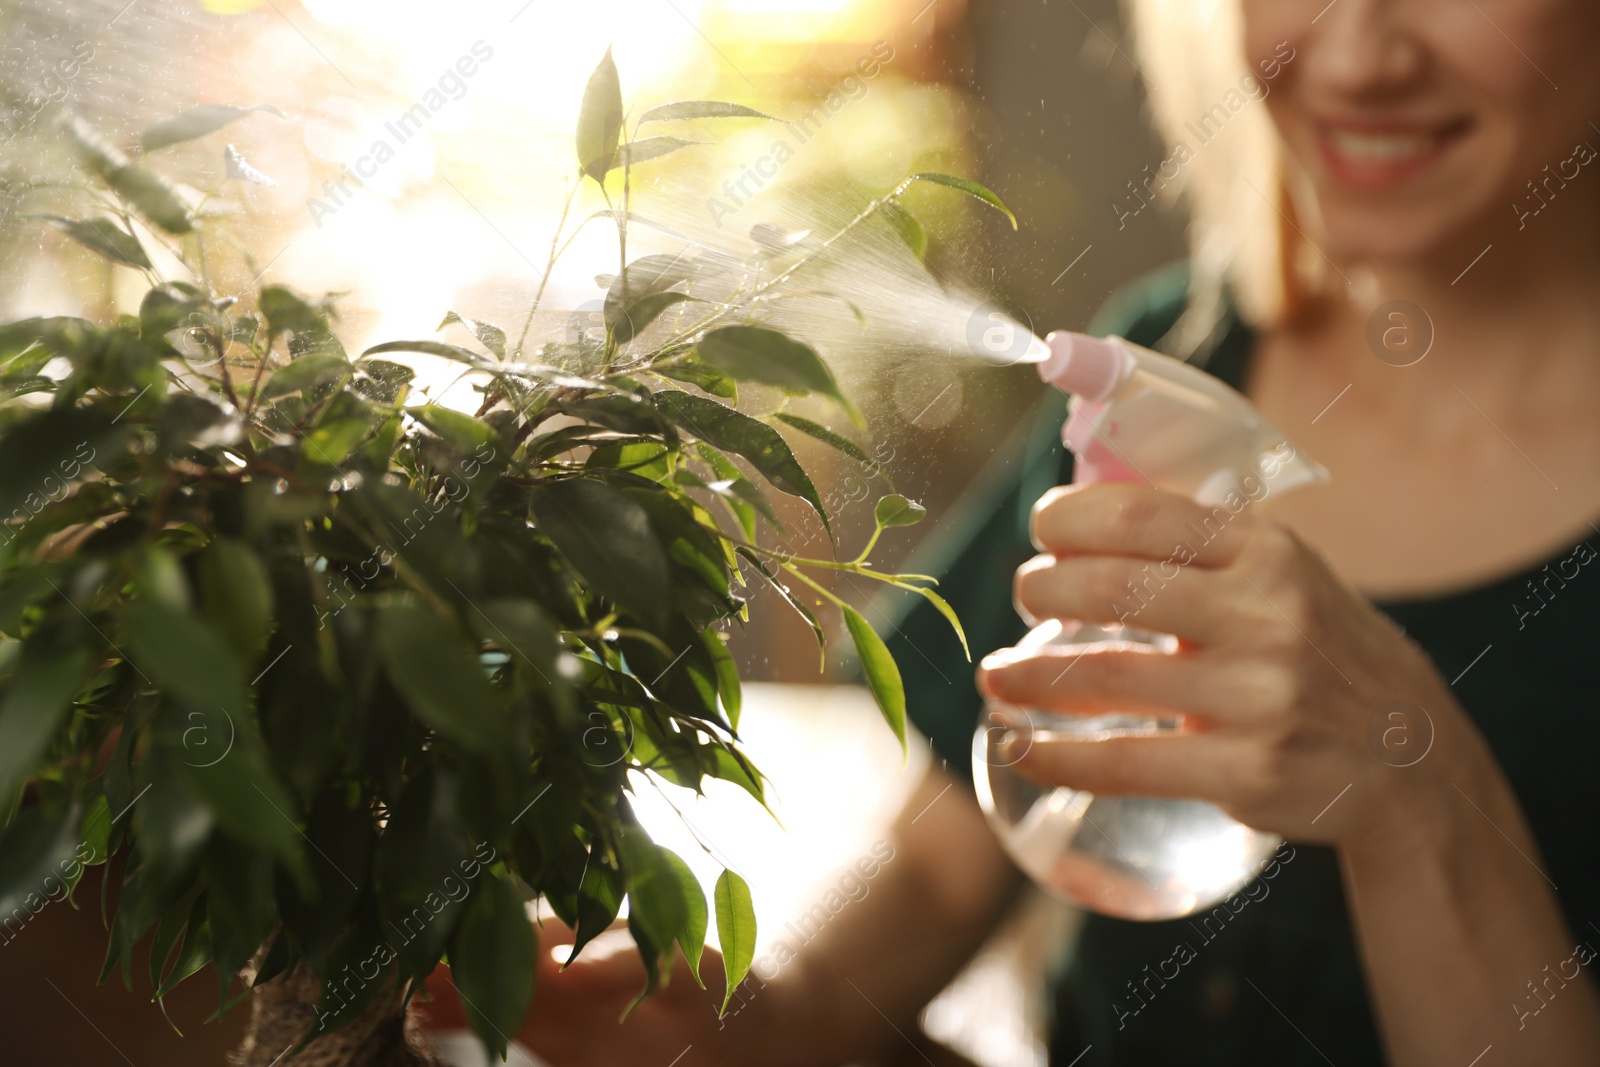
(1188, 993)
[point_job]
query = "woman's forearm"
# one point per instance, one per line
(869, 971)
(1465, 947)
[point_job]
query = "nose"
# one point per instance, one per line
(1365, 48)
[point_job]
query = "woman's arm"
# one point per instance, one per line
(887, 955)
(1280, 671)
(1464, 944)
(848, 995)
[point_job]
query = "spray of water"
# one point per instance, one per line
(817, 263)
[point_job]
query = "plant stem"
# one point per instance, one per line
(856, 566)
(549, 264)
(871, 543)
(798, 573)
(255, 386)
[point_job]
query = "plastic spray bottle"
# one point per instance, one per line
(1137, 416)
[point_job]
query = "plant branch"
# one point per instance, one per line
(549, 264)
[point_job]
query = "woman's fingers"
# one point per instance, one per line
(1094, 680)
(1122, 519)
(1188, 766)
(1191, 602)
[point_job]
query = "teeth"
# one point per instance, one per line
(1380, 147)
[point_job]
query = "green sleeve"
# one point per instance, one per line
(984, 538)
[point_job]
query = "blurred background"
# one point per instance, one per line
(422, 163)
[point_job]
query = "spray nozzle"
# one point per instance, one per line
(1090, 367)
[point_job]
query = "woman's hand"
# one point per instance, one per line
(574, 1018)
(1289, 683)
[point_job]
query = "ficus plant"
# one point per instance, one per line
(338, 679)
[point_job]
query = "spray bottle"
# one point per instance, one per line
(1138, 416)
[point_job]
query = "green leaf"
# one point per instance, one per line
(907, 226)
(169, 931)
(145, 190)
(196, 122)
(624, 412)
(650, 956)
(489, 335)
(630, 321)
(755, 353)
(492, 963)
(883, 677)
(792, 600)
(608, 539)
(829, 294)
(430, 348)
(700, 109)
(310, 371)
(183, 655)
(38, 846)
(657, 273)
(664, 896)
(896, 510)
(383, 381)
(330, 443)
(240, 907)
(96, 830)
(738, 770)
(236, 595)
(704, 375)
(37, 700)
(942, 606)
(169, 305)
(460, 429)
(736, 931)
(286, 310)
(153, 197)
(366, 951)
(104, 236)
(26, 335)
(654, 898)
(342, 843)
(637, 151)
(240, 789)
(678, 530)
(692, 934)
(188, 418)
(599, 898)
(436, 671)
(971, 188)
(731, 431)
(828, 437)
(727, 675)
(423, 846)
(54, 447)
(600, 120)
(196, 952)
(742, 498)
(525, 632)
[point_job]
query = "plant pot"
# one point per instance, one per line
(283, 1011)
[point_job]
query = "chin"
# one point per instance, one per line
(1360, 233)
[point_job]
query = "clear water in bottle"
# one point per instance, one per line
(1129, 857)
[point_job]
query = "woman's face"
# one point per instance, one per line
(1419, 123)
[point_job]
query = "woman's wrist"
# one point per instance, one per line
(1435, 808)
(787, 1020)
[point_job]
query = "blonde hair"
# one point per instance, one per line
(1243, 233)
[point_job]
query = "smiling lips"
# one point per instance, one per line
(1379, 156)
